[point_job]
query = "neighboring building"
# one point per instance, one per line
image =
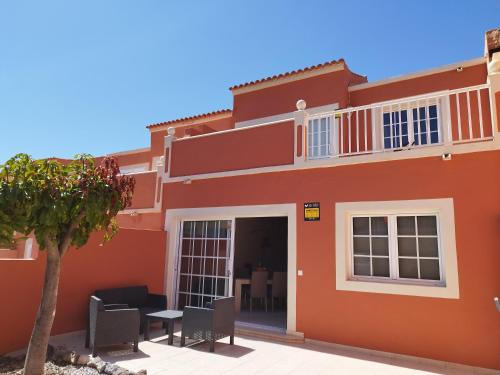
(381, 201)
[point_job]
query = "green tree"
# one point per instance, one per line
(61, 204)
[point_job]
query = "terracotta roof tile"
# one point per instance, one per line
(293, 72)
(195, 117)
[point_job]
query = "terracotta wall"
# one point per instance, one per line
(145, 190)
(316, 91)
(158, 137)
(240, 149)
(131, 258)
(465, 330)
(134, 158)
(452, 79)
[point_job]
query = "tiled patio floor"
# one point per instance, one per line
(253, 356)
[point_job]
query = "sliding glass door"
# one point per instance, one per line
(204, 262)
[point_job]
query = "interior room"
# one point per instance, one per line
(260, 272)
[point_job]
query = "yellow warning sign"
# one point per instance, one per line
(311, 211)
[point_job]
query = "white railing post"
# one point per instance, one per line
(300, 133)
(445, 120)
(375, 139)
(335, 135)
(167, 157)
(494, 90)
(160, 171)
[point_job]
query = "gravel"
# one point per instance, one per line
(14, 366)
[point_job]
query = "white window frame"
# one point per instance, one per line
(410, 120)
(447, 287)
(329, 137)
(393, 250)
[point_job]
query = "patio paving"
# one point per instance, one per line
(256, 356)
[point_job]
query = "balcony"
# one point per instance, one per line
(437, 119)
(427, 125)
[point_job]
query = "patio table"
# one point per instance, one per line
(166, 316)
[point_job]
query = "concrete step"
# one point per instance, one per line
(271, 335)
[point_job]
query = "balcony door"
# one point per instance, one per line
(204, 262)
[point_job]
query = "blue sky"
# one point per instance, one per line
(89, 75)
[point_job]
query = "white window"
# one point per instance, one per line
(398, 247)
(319, 138)
(411, 127)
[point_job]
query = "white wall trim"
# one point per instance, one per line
(135, 168)
(134, 151)
(174, 217)
(446, 217)
(422, 73)
(189, 122)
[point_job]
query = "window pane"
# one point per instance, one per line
(408, 268)
(387, 143)
(361, 245)
(362, 266)
(212, 229)
(422, 112)
(387, 131)
(323, 151)
(428, 247)
(434, 137)
(427, 225)
(323, 138)
(433, 124)
(429, 269)
(186, 229)
(360, 226)
(199, 228)
(323, 124)
(432, 111)
(406, 225)
(380, 246)
(386, 119)
(407, 246)
(379, 225)
(423, 138)
(380, 267)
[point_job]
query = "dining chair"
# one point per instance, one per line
(278, 288)
(258, 287)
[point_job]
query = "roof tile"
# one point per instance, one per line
(293, 72)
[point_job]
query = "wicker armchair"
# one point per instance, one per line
(209, 324)
(112, 324)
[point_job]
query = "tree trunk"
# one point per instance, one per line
(37, 349)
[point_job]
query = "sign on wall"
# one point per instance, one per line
(311, 211)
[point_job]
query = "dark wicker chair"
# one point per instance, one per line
(131, 297)
(134, 296)
(209, 324)
(112, 324)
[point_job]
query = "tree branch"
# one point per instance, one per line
(64, 245)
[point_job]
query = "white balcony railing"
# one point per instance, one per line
(448, 117)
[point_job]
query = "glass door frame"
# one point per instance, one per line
(178, 255)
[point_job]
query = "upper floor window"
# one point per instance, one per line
(398, 247)
(408, 127)
(319, 139)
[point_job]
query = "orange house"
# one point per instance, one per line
(378, 202)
